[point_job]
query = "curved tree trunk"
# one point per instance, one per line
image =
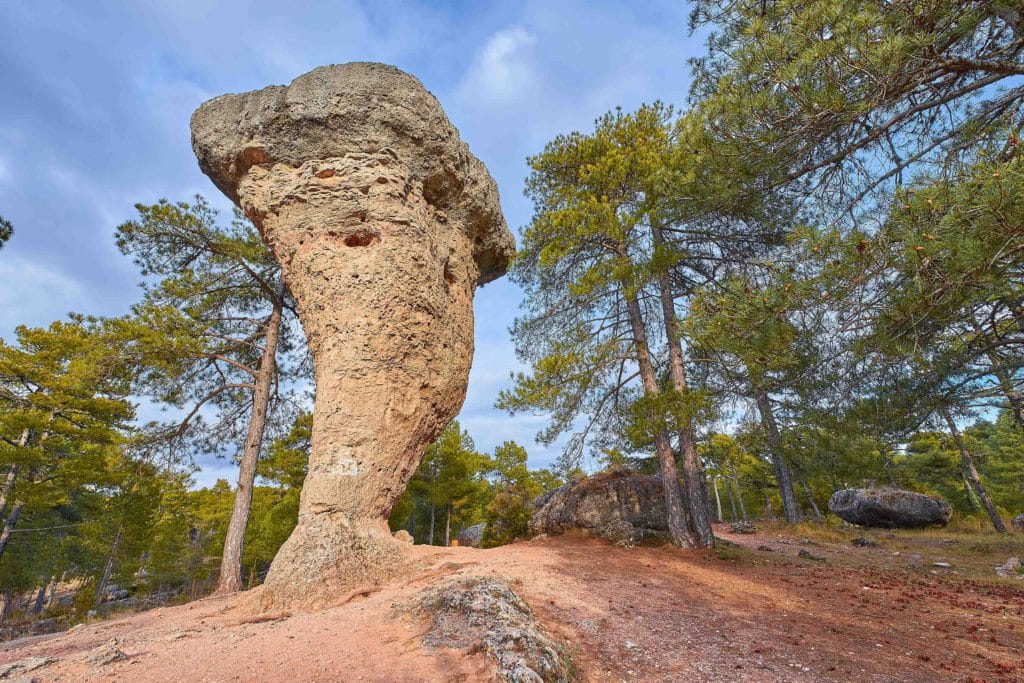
(9, 524)
(810, 499)
(971, 473)
(783, 475)
(231, 560)
(678, 524)
(697, 497)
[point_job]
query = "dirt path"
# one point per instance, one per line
(644, 614)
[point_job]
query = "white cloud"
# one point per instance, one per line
(503, 70)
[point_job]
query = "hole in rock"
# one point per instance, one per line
(361, 238)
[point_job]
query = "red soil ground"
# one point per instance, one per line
(639, 614)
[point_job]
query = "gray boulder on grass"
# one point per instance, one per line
(890, 508)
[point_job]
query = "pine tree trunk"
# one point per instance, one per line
(718, 502)
(433, 511)
(783, 475)
(971, 473)
(768, 512)
(448, 526)
(108, 568)
(12, 476)
(810, 499)
(37, 606)
(412, 520)
(678, 524)
(698, 500)
(8, 604)
(732, 500)
(52, 591)
(739, 499)
(231, 560)
(972, 499)
(12, 521)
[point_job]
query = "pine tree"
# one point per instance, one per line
(210, 332)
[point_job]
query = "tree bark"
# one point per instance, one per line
(739, 499)
(12, 476)
(971, 473)
(8, 598)
(810, 499)
(108, 568)
(972, 499)
(768, 512)
(53, 590)
(718, 502)
(412, 519)
(231, 560)
(678, 524)
(732, 500)
(448, 525)
(433, 511)
(37, 605)
(783, 475)
(12, 521)
(697, 497)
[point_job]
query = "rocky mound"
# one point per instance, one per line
(890, 508)
(621, 506)
(1018, 522)
(484, 614)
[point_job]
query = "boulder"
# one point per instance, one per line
(404, 536)
(743, 528)
(384, 225)
(1017, 523)
(472, 536)
(1010, 568)
(890, 508)
(621, 506)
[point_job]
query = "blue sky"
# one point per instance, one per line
(95, 99)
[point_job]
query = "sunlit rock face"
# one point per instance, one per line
(384, 224)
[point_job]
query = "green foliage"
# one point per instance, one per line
(515, 488)
(852, 96)
(196, 336)
(6, 231)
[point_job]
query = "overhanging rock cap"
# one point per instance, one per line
(356, 107)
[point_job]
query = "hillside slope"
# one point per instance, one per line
(645, 614)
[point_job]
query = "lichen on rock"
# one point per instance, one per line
(620, 506)
(484, 613)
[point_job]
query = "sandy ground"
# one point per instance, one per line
(638, 614)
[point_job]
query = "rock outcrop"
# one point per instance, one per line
(621, 506)
(890, 508)
(384, 224)
(1017, 523)
(472, 536)
(484, 613)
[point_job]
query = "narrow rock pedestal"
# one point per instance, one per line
(384, 224)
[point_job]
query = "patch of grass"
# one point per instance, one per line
(727, 551)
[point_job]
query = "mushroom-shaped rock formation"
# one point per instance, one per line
(384, 224)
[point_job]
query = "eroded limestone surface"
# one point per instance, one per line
(384, 224)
